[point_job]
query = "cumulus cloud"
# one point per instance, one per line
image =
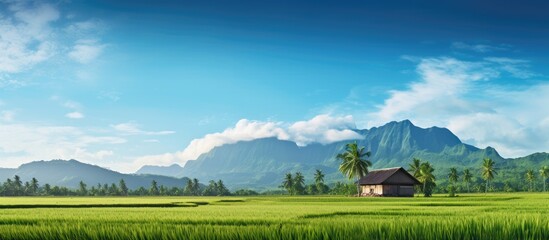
(31, 33)
(322, 129)
(26, 36)
(75, 115)
(85, 51)
(479, 48)
(466, 97)
(21, 143)
(443, 83)
(7, 116)
(131, 128)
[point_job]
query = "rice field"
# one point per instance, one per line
(493, 216)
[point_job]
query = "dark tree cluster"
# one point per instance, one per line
(15, 187)
(295, 184)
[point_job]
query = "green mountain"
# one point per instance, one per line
(70, 173)
(261, 163)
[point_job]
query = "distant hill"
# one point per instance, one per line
(172, 170)
(262, 163)
(70, 173)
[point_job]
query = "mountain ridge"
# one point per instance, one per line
(262, 162)
(69, 173)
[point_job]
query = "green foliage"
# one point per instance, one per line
(544, 173)
(345, 189)
(530, 177)
(216, 189)
(354, 164)
(245, 192)
(427, 178)
(488, 171)
(299, 183)
(288, 184)
(452, 191)
(467, 177)
(453, 176)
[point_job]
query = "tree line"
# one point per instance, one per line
(354, 165)
(488, 173)
(16, 187)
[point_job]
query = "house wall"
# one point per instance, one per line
(406, 191)
(377, 189)
(389, 190)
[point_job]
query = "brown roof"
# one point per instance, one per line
(381, 175)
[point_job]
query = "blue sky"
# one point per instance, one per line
(126, 83)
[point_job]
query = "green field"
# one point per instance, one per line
(493, 216)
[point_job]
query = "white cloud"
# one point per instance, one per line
(31, 34)
(85, 51)
(443, 82)
(322, 129)
(131, 128)
(480, 48)
(75, 115)
(21, 143)
(465, 97)
(26, 37)
(516, 67)
(7, 116)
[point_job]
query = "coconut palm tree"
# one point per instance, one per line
(488, 171)
(319, 176)
(467, 177)
(319, 181)
(453, 176)
(544, 173)
(299, 183)
(427, 178)
(288, 183)
(354, 163)
(530, 177)
(414, 169)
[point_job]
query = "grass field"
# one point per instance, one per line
(493, 216)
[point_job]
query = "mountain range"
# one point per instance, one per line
(70, 173)
(261, 164)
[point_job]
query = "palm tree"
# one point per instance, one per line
(319, 181)
(414, 169)
(427, 177)
(319, 176)
(530, 177)
(453, 176)
(34, 186)
(544, 173)
(488, 171)
(154, 188)
(196, 187)
(123, 188)
(467, 177)
(299, 183)
(415, 166)
(288, 183)
(354, 163)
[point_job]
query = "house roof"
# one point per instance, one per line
(381, 175)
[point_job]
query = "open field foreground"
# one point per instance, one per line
(493, 216)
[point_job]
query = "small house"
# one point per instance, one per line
(395, 182)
